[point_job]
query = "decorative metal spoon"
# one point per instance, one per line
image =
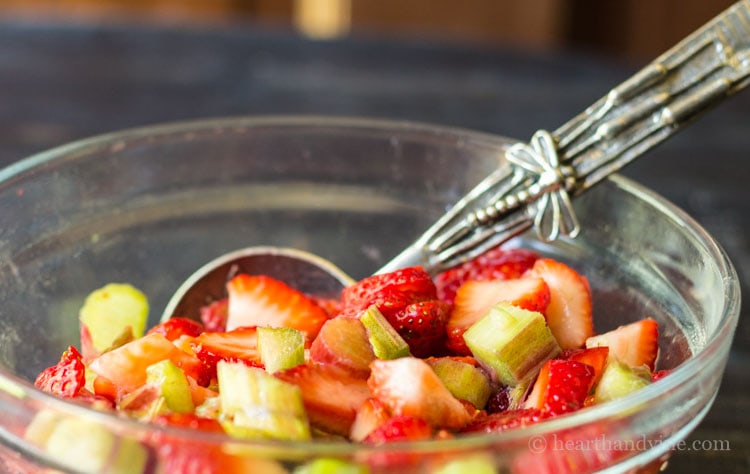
(536, 189)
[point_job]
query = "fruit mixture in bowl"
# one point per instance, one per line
(502, 342)
(550, 343)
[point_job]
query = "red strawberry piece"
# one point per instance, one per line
(634, 344)
(409, 386)
(495, 264)
(103, 387)
(176, 327)
(262, 301)
(179, 455)
(561, 387)
(330, 394)
(214, 315)
(569, 313)
(400, 428)
(659, 374)
(370, 416)
(65, 379)
(238, 345)
(475, 298)
(390, 291)
(506, 420)
(422, 325)
(125, 367)
(596, 357)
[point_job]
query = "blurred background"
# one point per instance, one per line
(634, 29)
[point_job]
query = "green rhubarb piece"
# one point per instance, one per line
(109, 311)
(463, 380)
(173, 385)
(512, 342)
(255, 404)
(619, 379)
(476, 464)
(386, 342)
(281, 348)
(331, 466)
(87, 446)
(42, 426)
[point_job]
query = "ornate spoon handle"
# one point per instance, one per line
(535, 191)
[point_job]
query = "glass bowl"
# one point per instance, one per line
(151, 205)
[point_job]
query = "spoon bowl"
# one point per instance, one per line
(302, 270)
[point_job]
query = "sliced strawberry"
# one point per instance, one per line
(214, 315)
(370, 416)
(422, 325)
(596, 357)
(175, 327)
(475, 298)
(262, 301)
(495, 264)
(103, 387)
(238, 345)
(569, 314)
(390, 291)
(67, 378)
(400, 428)
(634, 344)
(331, 395)
(506, 420)
(409, 386)
(561, 387)
(125, 367)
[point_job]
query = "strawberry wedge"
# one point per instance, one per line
(475, 298)
(496, 264)
(125, 367)
(262, 301)
(569, 314)
(371, 415)
(561, 387)
(634, 344)
(330, 394)
(238, 345)
(409, 386)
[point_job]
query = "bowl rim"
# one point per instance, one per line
(719, 339)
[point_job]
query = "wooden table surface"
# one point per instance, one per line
(60, 83)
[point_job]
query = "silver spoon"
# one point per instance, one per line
(535, 189)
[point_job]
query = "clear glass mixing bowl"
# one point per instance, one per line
(149, 206)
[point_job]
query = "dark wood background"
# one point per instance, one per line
(61, 82)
